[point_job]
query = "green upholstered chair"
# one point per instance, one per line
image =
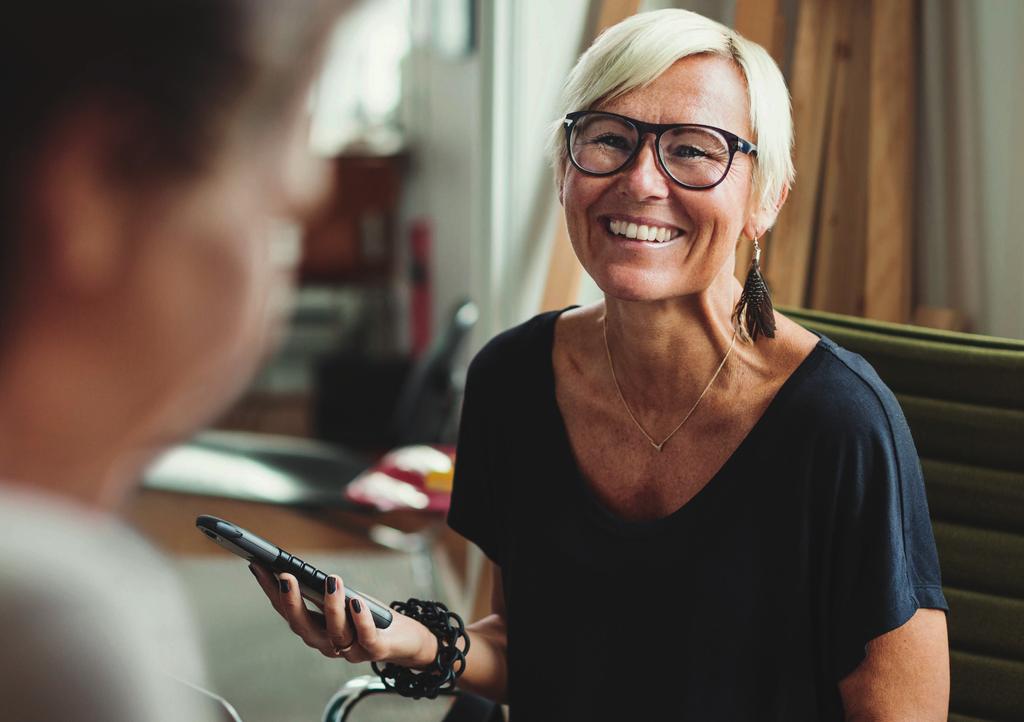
(963, 396)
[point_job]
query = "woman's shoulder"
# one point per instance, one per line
(85, 549)
(839, 392)
(101, 605)
(518, 349)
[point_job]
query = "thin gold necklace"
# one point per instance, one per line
(615, 380)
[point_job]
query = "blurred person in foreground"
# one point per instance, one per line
(697, 509)
(148, 148)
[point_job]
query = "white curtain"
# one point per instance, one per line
(970, 211)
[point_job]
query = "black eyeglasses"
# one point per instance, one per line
(694, 156)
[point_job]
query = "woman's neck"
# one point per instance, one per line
(667, 350)
(65, 429)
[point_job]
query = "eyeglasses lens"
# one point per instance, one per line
(696, 157)
(602, 143)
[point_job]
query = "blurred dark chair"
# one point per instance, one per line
(276, 469)
(427, 405)
(373, 405)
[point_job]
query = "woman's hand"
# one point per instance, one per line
(347, 631)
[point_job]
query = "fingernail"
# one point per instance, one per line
(284, 586)
(332, 585)
(356, 606)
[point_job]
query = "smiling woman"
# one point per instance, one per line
(733, 508)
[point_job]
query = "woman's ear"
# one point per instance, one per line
(77, 214)
(763, 218)
(561, 174)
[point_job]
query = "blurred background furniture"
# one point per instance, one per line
(963, 396)
(310, 476)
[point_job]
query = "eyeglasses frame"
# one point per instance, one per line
(735, 143)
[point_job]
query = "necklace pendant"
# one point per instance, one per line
(629, 412)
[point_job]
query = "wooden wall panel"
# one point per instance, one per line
(837, 279)
(890, 161)
(562, 286)
(788, 249)
(761, 21)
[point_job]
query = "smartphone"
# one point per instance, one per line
(254, 549)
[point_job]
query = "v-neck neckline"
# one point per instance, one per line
(645, 527)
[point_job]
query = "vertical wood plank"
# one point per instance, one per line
(565, 274)
(789, 248)
(890, 162)
(948, 319)
(562, 285)
(837, 281)
(762, 22)
(612, 12)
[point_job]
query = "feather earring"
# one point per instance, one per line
(754, 315)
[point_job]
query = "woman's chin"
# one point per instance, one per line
(637, 287)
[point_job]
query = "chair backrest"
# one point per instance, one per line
(428, 398)
(963, 396)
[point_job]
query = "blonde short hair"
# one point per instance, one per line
(639, 49)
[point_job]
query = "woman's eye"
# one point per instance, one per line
(689, 151)
(610, 140)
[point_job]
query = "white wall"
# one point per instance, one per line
(442, 116)
(529, 46)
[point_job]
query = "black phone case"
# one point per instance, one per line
(255, 549)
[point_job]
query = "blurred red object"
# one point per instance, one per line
(409, 477)
(420, 245)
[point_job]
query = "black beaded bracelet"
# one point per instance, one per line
(447, 666)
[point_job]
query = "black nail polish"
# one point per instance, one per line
(284, 586)
(356, 606)
(332, 585)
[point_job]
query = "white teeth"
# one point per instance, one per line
(640, 232)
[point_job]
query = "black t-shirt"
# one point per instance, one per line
(750, 602)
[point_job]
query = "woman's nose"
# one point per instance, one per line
(644, 178)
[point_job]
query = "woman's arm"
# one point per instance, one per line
(905, 675)
(487, 662)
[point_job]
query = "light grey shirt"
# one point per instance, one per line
(93, 624)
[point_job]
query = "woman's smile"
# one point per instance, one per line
(639, 230)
